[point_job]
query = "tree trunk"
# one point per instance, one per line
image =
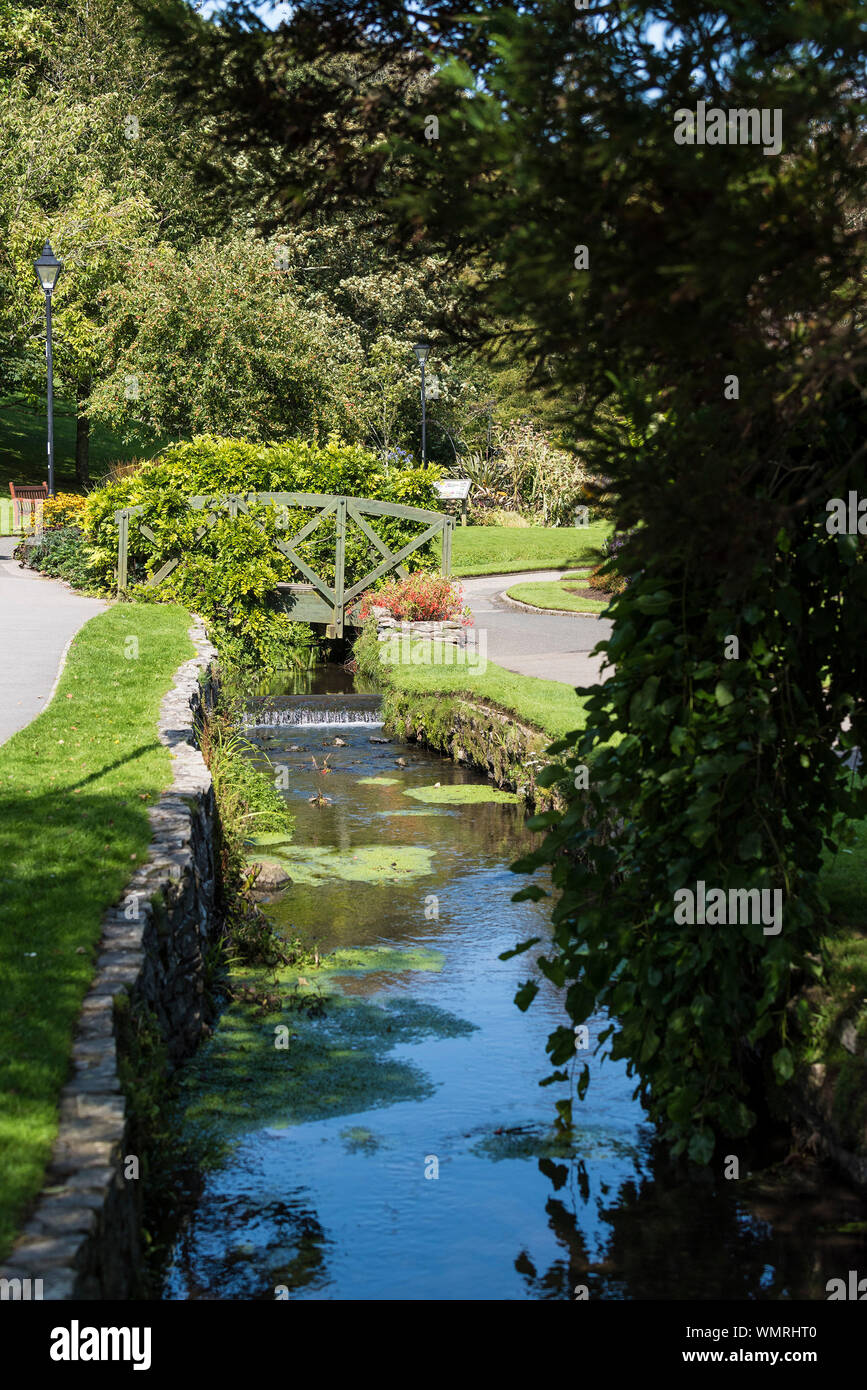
(82, 440)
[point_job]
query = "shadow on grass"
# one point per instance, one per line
(63, 860)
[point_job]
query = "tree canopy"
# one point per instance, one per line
(694, 311)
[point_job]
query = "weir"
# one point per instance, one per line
(317, 711)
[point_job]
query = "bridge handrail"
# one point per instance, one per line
(345, 507)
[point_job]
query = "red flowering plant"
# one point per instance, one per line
(420, 597)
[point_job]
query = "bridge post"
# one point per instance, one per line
(340, 567)
(447, 546)
(122, 543)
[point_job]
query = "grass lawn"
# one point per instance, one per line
(845, 881)
(509, 549)
(553, 593)
(843, 998)
(23, 444)
(550, 705)
(74, 790)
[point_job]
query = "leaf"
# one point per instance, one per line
(654, 603)
(526, 994)
(649, 1046)
(784, 1064)
(542, 821)
(750, 845)
(723, 693)
(531, 894)
(520, 948)
(701, 1146)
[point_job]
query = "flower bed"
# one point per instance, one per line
(420, 598)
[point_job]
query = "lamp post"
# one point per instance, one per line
(48, 269)
(421, 351)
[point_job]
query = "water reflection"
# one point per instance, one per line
(328, 1188)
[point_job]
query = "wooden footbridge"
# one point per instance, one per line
(315, 600)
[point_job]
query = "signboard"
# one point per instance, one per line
(450, 488)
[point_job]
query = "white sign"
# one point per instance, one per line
(452, 488)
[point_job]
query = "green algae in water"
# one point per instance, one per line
(385, 958)
(345, 961)
(378, 781)
(363, 864)
(269, 841)
(334, 1064)
(359, 1140)
(459, 794)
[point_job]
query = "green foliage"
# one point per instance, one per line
(248, 803)
(524, 470)
(81, 79)
(724, 773)
(229, 576)
(703, 264)
(218, 337)
(62, 554)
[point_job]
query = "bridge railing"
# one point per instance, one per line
(316, 601)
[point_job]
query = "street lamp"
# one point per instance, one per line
(48, 269)
(421, 351)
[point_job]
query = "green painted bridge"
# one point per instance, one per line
(314, 600)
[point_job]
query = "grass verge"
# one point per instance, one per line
(75, 786)
(554, 593)
(833, 1029)
(510, 549)
(547, 705)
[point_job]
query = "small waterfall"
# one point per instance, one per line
(314, 711)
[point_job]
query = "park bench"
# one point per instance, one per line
(25, 497)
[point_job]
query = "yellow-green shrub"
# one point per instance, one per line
(230, 574)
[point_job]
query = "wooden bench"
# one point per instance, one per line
(28, 493)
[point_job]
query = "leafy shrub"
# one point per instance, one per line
(526, 472)
(418, 598)
(247, 803)
(61, 553)
(61, 510)
(607, 575)
(606, 580)
(230, 574)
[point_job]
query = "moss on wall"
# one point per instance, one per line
(476, 735)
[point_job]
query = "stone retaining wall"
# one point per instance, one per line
(476, 735)
(83, 1239)
(442, 630)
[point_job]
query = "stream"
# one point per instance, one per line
(392, 1141)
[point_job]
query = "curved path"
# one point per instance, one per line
(535, 644)
(38, 619)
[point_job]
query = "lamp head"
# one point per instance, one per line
(421, 351)
(48, 269)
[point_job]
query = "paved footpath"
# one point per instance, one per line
(535, 644)
(38, 617)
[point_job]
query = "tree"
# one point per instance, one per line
(696, 311)
(91, 149)
(215, 339)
